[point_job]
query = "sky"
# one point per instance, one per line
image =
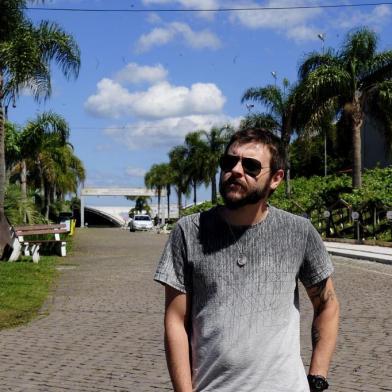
(148, 78)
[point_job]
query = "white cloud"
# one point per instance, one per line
(159, 101)
(166, 132)
(163, 35)
(135, 172)
(110, 101)
(303, 33)
(134, 73)
(293, 23)
(190, 4)
(153, 18)
(377, 17)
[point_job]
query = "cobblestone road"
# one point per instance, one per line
(104, 328)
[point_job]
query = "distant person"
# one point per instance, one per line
(231, 283)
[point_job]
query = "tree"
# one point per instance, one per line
(356, 82)
(216, 139)
(197, 160)
(156, 178)
(141, 205)
(279, 118)
(179, 166)
(48, 160)
(26, 53)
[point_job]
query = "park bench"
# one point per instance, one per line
(31, 237)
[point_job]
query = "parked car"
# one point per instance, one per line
(140, 222)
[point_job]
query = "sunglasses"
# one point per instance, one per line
(251, 166)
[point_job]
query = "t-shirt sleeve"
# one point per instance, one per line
(317, 264)
(173, 267)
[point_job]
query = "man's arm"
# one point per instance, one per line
(324, 327)
(176, 339)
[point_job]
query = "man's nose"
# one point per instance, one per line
(238, 170)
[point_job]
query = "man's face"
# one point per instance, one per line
(239, 188)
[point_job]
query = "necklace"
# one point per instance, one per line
(242, 259)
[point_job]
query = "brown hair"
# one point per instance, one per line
(265, 137)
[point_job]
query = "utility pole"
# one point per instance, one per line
(322, 36)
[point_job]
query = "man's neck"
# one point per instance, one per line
(248, 215)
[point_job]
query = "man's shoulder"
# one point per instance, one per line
(282, 216)
(193, 220)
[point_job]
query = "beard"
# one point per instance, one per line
(249, 197)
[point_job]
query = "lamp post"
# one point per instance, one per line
(273, 73)
(322, 36)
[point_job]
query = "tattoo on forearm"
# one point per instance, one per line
(320, 295)
(315, 336)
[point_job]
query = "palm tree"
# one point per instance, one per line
(69, 172)
(155, 179)
(179, 167)
(167, 176)
(216, 140)
(26, 53)
(279, 118)
(197, 160)
(355, 81)
(37, 142)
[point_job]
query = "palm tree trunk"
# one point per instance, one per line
(213, 189)
(179, 196)
(46, 200)
(194, 192)
(357, 121)
(159, 206)
(23, 185)
(285, 137)
(23, 179)
(2, 154)
(41, 182)
(168, 201)
(287, 184)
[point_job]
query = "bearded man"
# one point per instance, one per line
(231, 284)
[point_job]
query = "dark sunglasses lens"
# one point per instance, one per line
(251, 166)
(227, 162)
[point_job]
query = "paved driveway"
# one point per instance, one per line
(104, 328)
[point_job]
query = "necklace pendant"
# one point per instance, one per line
(242, 261)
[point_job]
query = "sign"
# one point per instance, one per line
(355, 215)
(389, 215)
(120, 192)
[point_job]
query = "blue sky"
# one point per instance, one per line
(149, 78)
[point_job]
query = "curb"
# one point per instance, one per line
(361, 255)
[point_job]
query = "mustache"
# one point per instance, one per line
(233, 181)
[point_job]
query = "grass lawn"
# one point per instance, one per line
(24, 286)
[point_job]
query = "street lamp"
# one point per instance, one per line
(322, 36)
(273, 73)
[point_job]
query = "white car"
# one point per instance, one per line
(140, 222)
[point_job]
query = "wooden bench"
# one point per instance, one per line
(30, 247)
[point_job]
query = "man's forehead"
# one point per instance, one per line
(249, 147)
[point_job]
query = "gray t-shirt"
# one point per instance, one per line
(244, 319)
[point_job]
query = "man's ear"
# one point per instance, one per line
(276, 179)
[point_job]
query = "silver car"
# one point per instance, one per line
(140, 222)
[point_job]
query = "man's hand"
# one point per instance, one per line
(176, 339)
(324, 327)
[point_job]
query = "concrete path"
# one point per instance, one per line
(104, 328)
(363, 252)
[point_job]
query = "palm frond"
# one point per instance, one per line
(55, 44)
(323, 84)
(261, 120)
(270, 96)
(314, 60)
(379, 69)
(359, 47)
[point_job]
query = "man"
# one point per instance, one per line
(230, 276)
